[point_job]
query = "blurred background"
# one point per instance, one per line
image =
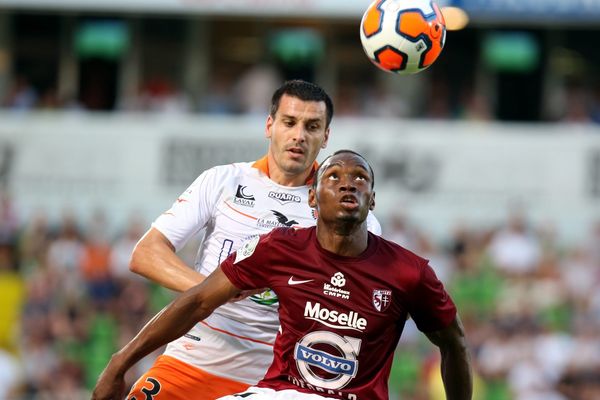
(488, 164)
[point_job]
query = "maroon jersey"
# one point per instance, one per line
(341, 317)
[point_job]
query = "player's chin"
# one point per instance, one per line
(295, 166)
(349, 216)
(357, 215)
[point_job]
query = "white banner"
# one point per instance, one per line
(437, 173)
(322, 8)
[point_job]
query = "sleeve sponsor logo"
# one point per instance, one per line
(247, 249)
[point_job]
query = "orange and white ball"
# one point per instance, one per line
(403, 36)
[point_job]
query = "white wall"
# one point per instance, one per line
(437, 173)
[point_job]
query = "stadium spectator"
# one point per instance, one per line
(21, 96)
(515, 249)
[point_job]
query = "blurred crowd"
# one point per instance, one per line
(531, 307)
(249, 93)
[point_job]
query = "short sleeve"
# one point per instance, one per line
(248, 267)
(431, 307)
(192, 209)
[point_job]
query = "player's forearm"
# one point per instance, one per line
(155, 259)
(456, 372)
(456, 362)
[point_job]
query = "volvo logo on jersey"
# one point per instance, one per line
(326, 362)
(285, 198)
(243, 199)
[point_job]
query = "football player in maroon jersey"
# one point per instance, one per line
(344, 296)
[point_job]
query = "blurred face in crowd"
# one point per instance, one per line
(344, 189)
(298, 131)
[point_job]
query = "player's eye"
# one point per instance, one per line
(333, 176)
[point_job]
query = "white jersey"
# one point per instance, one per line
(233, 203)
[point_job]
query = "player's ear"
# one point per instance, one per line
(269, 126)
(372, 202)
(312, 198)
(326, 140)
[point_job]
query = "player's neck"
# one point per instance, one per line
(281, 178)
(289, 180)
(348, 240)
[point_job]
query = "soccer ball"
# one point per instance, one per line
(403, 36)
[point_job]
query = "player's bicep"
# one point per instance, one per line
(430, 305)
(452, 336)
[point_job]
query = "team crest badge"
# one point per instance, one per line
(382, 299)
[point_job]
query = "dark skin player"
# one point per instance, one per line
(343, 194)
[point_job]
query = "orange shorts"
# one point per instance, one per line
(171, 379)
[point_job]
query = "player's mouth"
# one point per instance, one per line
(295, 152)
(349, 202)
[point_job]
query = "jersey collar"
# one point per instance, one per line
(262, 165)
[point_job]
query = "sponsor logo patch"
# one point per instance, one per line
(327, 362)
(285, 198)
(266, 298)
(334, 319)
(280, 221)
(243, 199)
(335, 288)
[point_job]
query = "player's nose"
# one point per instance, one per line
(299, 133)
(347, 184)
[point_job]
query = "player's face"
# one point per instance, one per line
(344, 189)
(297, 132)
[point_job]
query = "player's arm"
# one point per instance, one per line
(456, 362)
(172, 322)
(154, 258)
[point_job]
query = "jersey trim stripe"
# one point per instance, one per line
(262, 165)
(239, 212)
(234, 335)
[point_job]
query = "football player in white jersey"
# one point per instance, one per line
(233, 348)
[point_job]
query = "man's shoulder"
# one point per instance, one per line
(242, 167)
(227, 172)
